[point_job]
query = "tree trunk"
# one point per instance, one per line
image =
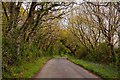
(111, 49)
(18, 45)
(119, 50)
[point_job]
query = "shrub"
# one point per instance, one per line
(101, 54)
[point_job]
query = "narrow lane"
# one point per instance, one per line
(62, 68)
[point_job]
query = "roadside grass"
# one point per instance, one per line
(26, 69)
(105, 72)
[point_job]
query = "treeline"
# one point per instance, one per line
(29, 31)
(95, 29)
(87, 31)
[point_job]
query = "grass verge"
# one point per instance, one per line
(105, 72)
(27, 69)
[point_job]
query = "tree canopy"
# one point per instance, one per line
(89, 31)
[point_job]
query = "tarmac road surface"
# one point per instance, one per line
(63, 68)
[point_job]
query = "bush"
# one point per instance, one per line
(81, 52)
(101, 54)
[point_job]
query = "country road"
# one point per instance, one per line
(63, 68)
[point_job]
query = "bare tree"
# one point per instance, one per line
(107, 19)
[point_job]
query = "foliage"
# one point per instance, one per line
(26, 69)
(103, 71)
(38, 31)
(100, 54)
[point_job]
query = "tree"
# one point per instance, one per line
(107, 22)
(24, 31)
